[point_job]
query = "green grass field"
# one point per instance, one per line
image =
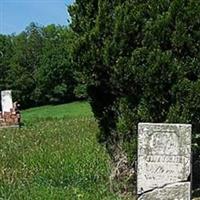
(55, 155)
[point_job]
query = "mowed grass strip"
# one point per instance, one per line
(70, 110)
(54, 158)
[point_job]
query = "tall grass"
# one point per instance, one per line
(54, 156)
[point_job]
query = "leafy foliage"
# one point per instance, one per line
(36, 65)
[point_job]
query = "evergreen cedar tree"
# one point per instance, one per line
(141, 62)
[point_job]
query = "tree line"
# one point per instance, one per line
(37, 65)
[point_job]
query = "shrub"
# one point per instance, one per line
(141, 62)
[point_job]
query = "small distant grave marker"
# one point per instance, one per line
(10, 115)
(164, 161)
(6, 101)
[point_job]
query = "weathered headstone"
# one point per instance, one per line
(6, 101)
(164, 161)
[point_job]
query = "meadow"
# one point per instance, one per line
(54, 155)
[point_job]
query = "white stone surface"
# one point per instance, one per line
(6, 101)
(164, 155)
(177, 191)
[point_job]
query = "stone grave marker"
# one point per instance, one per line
(6, 101)
(164, 161)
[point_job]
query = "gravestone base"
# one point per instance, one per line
(175, 191)
(9, 120)
(10, 126)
